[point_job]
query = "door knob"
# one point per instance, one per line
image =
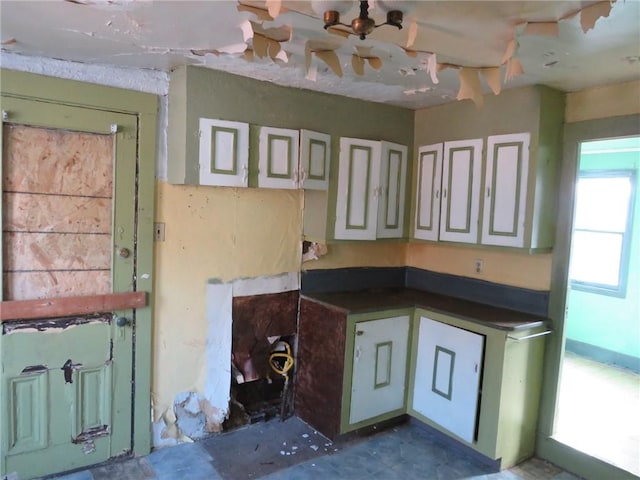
(123, 321)
(124, 252)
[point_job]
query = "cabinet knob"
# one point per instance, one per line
(359, 332)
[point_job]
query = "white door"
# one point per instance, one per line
(429, 183)
(224, 153)
(447, 376)
(278, 158)
(505, 190)
(358, 177)
(391, 193)
(315, 159)
(461, 173)
(379, 367)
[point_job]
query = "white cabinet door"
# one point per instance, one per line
(315, 158)
(391, 193)
(357, 202)
(429, 183)
(505, 190)
(278, 158)
(379, 367)
(447, 376)
(224, 153)
(461, 191)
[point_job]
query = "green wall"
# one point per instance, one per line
(604, 321)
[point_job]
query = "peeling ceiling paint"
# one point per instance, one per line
(569, 45)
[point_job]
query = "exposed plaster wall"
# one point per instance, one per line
(602, 102)
(213, 236)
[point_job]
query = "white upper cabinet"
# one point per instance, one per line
(315, 158)
(371, 190)
(391, 193)
(461, 175)
(507, 167)
(278, 158)
(429, 184)
(357, 198)
(224, 153)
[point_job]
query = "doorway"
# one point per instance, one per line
(77, 212)
(582, 419)
(600, 383)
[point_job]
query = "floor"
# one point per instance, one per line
(292, 450)
(599, 411)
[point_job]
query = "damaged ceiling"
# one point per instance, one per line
(445, 50)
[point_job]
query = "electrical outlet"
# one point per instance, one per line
(158, 232)
(478, 265)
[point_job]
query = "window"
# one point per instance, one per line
(602, 230)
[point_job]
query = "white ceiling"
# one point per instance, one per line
(162, 35)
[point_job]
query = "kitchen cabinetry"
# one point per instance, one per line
(278, 158)
(315, 159)
(507, 170)
(223, 153)
(448, 189)
(379, 369)
(293, 159)
(352, 369)
(504, 425)
(371, 190)
(429, 183)
(474, 372)
(511, 202)
(446, 379)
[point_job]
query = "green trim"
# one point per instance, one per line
(387, 375)
(323, 146)
(236, 141)
(430, 225)
(398, 182)
(270, 172)
(144, 107)
(447, 395)
(349, 225)
(494, 183)
(347, 378)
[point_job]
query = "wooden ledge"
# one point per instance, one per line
(65, 306)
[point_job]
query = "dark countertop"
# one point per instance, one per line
(375, 300)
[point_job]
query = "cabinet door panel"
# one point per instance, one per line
(393, 171)
(379, 367)
(461, 188)
(278, 158)
(357, 204)
(224, 153)
(428, 192)
(315, 156)
(447, 376)
(505, 190)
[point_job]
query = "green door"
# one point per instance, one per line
(68, 215)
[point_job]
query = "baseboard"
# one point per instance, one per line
(603, 355)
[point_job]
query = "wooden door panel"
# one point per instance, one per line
(60, 162)
(53, 213)
(69, 195)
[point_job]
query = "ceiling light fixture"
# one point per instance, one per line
(363, 25)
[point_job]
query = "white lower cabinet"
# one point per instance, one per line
(379, 368)
(446, 380)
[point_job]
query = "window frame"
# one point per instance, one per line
(620, 290)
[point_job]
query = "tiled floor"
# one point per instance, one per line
(599, 411)
(292, 451)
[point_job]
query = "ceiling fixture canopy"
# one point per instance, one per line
(363, 25)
